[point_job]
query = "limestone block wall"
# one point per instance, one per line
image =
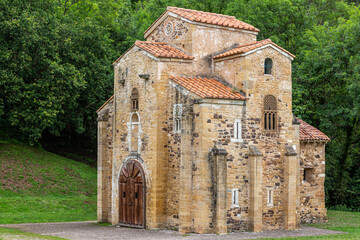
(153, 131)
(312, 193)
(104, 168)
(179, 149)
(215, 120)
(247, 73)
(200, 41)
(151, 104)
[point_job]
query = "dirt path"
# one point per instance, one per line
(92, 231)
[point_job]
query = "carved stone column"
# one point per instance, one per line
(255, 211)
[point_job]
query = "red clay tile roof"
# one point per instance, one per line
(105, 103)
(209, 18)
(207, 87)
(158, 49)
(310, 133)
(248, 47)
(162, 50)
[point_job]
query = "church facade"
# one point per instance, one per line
(200, 136)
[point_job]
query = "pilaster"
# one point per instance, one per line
(291, 180)
(255, 211)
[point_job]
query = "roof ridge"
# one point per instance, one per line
(206, 87)
(239, 49)
(253, 43)
(192, 10)
(146, 42)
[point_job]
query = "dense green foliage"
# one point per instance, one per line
(38, 186)
(56, 55)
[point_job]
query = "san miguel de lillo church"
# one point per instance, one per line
(200, 135)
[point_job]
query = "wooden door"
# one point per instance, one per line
(132, 195)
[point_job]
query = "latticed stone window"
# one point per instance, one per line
(177, 117)
(268, 66)
(270, 113)
(135, 100)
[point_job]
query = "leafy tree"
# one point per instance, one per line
(329, 63)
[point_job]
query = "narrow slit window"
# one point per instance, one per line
(235, 197)
(268, 66)
(270, 197)
(270, 113)
(177, 117)
(237, 129)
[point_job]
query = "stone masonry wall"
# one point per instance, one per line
(202, 42)
(312, 193)
(151, 93)
(247, 74)
(105, 149)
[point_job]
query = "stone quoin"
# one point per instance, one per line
(200, 136)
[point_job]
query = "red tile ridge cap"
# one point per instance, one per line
(192, 10)
(244, 48)
(239, 24)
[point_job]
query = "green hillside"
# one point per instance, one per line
(38, 186)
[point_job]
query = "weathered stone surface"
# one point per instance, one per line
(251, 180)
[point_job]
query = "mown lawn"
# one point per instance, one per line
(339, 221)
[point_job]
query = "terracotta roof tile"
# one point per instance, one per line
(209, 18)
(248, 47)
(162, 50)
(310, 133)
(105, 103)
(207, 87)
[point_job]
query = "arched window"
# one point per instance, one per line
(270, 113)
(268, 66)
(135, 100)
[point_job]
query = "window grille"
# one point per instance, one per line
(177, 117)
(270, 113)
(135, 100)
(268, 66)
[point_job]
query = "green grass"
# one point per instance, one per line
(7, 233)
(38, 186)
(339, 221)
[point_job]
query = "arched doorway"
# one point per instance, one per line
(132, 195)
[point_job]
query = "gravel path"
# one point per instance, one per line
(91, 231)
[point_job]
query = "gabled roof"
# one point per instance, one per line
(207, 88)
(159, 49)
(208, 18)
(102, 106)
(162, 50)
(310, 133)
(241, 49)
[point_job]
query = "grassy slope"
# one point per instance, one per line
(38, 186)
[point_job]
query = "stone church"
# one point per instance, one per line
(200, 136)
